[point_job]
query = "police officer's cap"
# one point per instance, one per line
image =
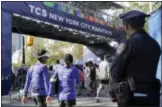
(133, 14)
(42, 53)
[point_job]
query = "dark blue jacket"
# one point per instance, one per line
(138, 57)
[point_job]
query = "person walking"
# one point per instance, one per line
(67, 78)
(80, 85)
(103, 75)
(92, 76)
(38, 78)
(87, 77)
(58, 66)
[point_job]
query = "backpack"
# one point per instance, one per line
(93, 73)
(56, 86)
(81, 76)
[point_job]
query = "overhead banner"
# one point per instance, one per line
(95, 52)
(47, 13)
(6, 46)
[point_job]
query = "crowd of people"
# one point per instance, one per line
(91, 76)
(135, 63)
(65, 81)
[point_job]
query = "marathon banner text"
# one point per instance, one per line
(40, 11)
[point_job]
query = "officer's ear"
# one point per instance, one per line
(127, 26)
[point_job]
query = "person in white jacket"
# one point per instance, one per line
(87, 77)
(58, 66)
(103, 75)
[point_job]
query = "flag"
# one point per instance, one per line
(82, 15)
(72, 11)
(58, 7)
(101, 22)
(77, 13)
(64, 9)
(49, 4)
(91, 18)
(96, 20)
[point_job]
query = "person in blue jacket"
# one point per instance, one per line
(38, 79)
(68, 77)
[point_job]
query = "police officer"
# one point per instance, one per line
(38, 79)
(67, 76)
(133, 73)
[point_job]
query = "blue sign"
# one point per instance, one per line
(6, 52)
(155, 32)
(43, 12)
(155, 25)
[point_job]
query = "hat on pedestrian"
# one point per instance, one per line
(42, 53)
(68, 58)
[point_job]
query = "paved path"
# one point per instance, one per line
(81, 102)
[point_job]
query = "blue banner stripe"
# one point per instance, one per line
(6, 52)
(40, 11)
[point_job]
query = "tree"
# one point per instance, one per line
(142, 6)
(156, 5)
(57, 50)
(60, 48)
(78, 51)
(31, 51)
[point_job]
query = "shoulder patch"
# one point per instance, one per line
(121, 48)
(52, 80)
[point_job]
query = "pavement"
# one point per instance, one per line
(81, 102)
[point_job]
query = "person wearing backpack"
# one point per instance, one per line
(92, 77)
(68, 77)
(38, 78)
(80, 85)
(103, 75)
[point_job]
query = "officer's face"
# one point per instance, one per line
(127, 29)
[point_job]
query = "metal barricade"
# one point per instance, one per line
(18, 85)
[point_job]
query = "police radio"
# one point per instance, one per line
(131, 83)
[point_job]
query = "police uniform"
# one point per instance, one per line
(38, 80)
(137, 58)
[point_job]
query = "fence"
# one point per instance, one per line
(18, 84)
